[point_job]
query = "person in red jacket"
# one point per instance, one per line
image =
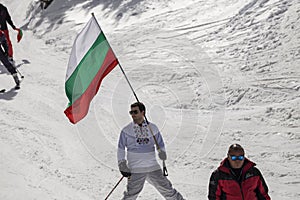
(237, 178)
(3, 58)
(4, 19)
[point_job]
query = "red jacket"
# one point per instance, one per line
(249, 185)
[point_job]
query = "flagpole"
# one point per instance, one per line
(120, 65)
(155, 140)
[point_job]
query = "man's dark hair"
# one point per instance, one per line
(140, 105)
(235, 148)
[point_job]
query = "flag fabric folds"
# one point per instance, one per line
(90, 61)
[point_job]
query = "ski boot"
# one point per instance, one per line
(17, 80)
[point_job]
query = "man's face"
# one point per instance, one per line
(136, 115)
(236, 159)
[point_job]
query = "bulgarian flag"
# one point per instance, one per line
(90, 61)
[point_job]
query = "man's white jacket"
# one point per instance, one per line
(137, 146)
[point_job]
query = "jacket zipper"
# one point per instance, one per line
(240, 184)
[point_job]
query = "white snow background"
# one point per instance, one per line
(211, 73)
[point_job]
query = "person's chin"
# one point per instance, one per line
(237, 167)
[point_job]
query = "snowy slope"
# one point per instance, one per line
(210, 73)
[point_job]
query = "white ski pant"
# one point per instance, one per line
(156, 178)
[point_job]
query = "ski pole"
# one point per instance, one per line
(114, 187)
(165, 171)
(19, 73)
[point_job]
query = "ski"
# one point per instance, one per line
(17, 87)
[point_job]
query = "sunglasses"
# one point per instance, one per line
(133, 112)
(234, 158)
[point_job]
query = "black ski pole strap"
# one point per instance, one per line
(165, 171)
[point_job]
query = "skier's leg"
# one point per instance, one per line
(163, 185)
(9, 67)
(135, 185)
(10, 48)
(4, 44)
(6, 63)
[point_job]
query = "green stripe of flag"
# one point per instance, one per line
(86, 70)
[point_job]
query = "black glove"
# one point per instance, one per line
(162, 155)
(125, 171)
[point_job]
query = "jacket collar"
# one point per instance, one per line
(225, 166)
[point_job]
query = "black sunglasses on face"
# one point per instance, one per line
(234, 158)
(133, 112)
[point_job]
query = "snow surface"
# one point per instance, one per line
(211, 73)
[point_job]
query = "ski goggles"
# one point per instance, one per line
(234, 158)
(133, 112)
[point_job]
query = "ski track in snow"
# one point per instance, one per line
(210, 73)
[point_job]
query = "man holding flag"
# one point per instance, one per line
(142, 165)
(90, 61)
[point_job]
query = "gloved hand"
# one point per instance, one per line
(162, 155)
(125, 171)
(20, 34)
